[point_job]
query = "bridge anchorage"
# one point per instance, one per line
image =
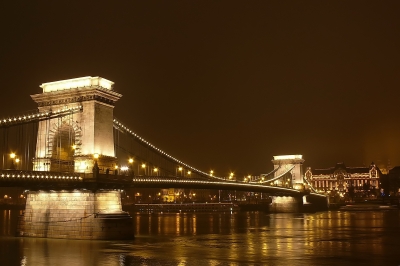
(84, 157)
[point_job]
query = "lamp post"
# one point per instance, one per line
(130, 167)
(144, 168)
(12, 156)
(179, 169)
(16, 162)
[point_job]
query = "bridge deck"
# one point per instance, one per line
(52, 180)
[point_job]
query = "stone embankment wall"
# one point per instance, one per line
(75, 215)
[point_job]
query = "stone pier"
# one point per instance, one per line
(307, 203)
(286, 204)
(79, 214)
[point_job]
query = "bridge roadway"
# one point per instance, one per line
(34, 180)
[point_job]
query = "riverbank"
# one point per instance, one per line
(368, 207)
(373, 205)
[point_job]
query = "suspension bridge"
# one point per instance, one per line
(73, 149)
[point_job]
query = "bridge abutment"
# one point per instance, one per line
(75, 215)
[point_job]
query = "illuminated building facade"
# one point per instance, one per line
(341, 178)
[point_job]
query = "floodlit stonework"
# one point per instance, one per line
(75, 215)
(69, 142)
(76, 136)
(285, 204)
(292, 163)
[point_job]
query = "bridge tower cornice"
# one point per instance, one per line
(76, 95)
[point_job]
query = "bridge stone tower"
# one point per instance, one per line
(73, 142)
(292, 164)
(284, 163)
(76, 134)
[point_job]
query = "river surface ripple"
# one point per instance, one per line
(241, 238)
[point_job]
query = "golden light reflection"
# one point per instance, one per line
(177, 224)
(249, 238)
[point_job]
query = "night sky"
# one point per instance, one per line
(223, 85)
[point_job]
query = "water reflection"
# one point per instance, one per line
(255, 238)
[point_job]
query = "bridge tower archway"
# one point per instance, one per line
(74, 140)
(62, 145)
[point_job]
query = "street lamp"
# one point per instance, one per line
(130, 167)
(189, 173)
(211, 173)
(116, 169)
(155, 170)
(230, 176)
(180, 169)
(144, 168)
(17, 161)
(12, 156)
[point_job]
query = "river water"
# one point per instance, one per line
(240, 238)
